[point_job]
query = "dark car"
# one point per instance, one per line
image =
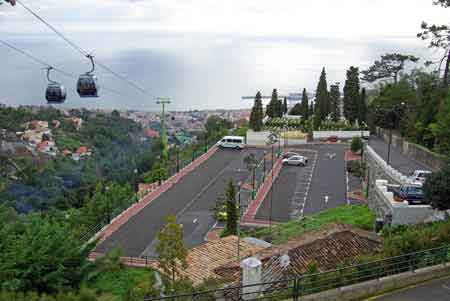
(413, 194)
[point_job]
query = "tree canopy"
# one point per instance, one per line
(322, 103)
(389, 67)
(352, 97)
(257, 114)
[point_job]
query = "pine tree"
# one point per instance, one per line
(256, 116)
(362, 110)
(322, 107)
(335, 96)
(351, 95)
(304, 105)
(285, 106)
(170, 248)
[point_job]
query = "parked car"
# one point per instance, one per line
(287, 155)
(333, 139)
(412, 193)
(295, 160)
(419, 176)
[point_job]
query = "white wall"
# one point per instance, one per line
(261, 138)
(340, 134)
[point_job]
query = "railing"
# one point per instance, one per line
(311, 283)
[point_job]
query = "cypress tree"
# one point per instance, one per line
(362, 110)
(285, 106)
(274, 107)
(305, 105)
(256, 116)
(335, 96)
(322, 108)
(351, 95)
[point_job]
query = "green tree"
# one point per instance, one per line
(231, 209)
(257, 115)
(356, 144)
(335, 98)
(389, 67)
(351, 95)
(439, 37)
(285, 106)
(41, 254)
(296, 110)
(437, 189)
(274, 108)
(322, 104)
(305, 105)
(362, 107)
(171, 251)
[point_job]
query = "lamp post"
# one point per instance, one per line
(392, 118)
(178, 159)
(136, 186)
(272, 139)
(239, 222)
(264, 166)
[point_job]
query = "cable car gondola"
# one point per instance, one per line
(55, 92)
(87, 85)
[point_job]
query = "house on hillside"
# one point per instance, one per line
(81, 153)
(47, 147)
(76, 122)
(151, 133)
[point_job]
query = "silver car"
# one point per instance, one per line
(295, 160)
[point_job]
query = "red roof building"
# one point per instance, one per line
(150, 133)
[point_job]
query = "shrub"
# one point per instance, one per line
(437, 189)
(356, 145)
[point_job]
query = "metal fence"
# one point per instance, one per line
(311, 283)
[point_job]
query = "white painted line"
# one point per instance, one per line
(194, 221)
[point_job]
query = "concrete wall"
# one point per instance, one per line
(383, 285)
(402, 213)
(261, 138)
(418, 153)
(379, 174)
(323, 135)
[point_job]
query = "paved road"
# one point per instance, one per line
(308, 190)
(399, 161)
(191, 199)
(436, 290)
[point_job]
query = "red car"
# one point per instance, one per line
(333, 139)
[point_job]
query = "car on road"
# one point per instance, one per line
(288, 155)
(411, 193)
(420, 176)
(235, 142)
(295, 160)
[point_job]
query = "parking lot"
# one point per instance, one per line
(300, 191)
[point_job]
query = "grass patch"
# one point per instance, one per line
(113, 285)
(357, 215)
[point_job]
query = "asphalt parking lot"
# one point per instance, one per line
(191, 199)
(320, 185)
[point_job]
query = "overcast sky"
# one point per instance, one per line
(206, 53)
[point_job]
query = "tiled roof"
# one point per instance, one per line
(204, 259)
(327, 248)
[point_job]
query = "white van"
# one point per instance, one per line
(235, 142)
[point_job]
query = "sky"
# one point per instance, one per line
(205, 54)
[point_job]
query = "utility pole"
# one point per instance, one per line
(163, 101)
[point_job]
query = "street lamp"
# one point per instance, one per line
(239, 221)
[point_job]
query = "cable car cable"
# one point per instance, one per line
(82, 51)
(47, 65)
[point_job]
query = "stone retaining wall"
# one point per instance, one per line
(416, 152)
